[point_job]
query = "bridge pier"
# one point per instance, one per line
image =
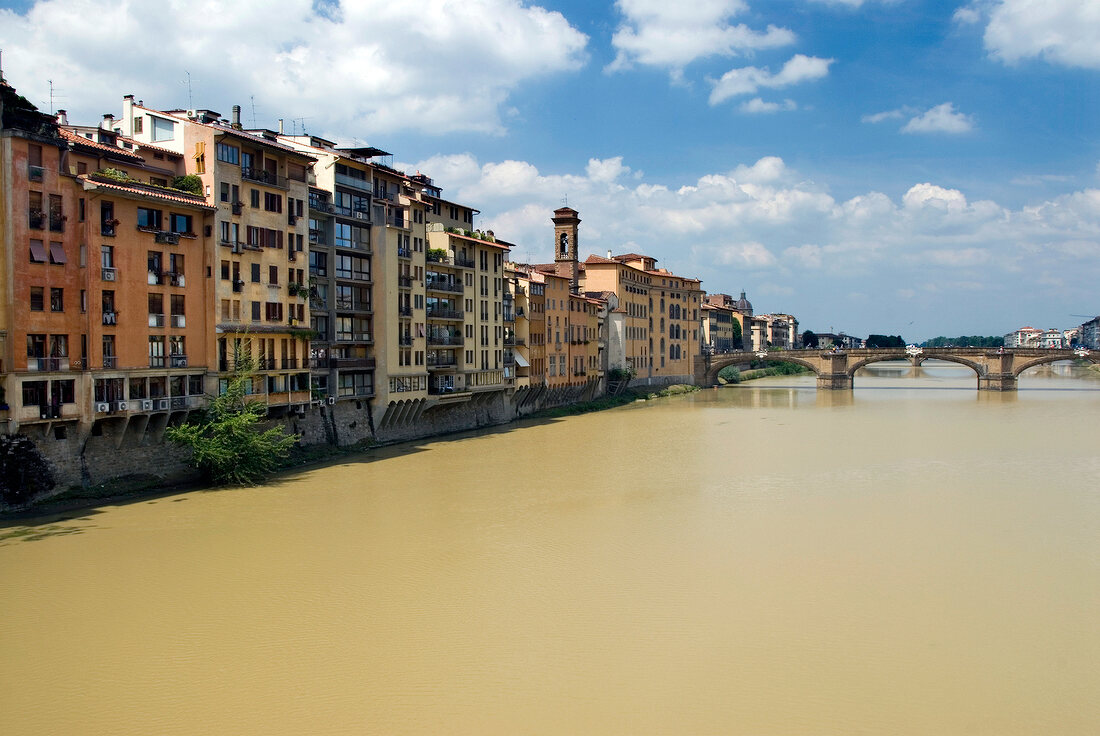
(997, 382)
(834, 382)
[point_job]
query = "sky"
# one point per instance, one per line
(912, 167)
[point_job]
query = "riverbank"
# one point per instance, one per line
(783, 368)
(141, 487)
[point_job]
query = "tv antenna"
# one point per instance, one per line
(295, 122)
(190, 102)
(252, 102)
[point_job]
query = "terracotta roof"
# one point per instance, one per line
(96, 145)
(601, 259)
(147, 190)
(151, 147)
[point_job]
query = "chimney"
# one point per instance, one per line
(62, 117)
(609, 254)
(128, 115)
(236, 117)
(280, 126)
(108, 122)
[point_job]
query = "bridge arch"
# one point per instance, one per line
(717, 364)
(978, 368)
(1017, 370)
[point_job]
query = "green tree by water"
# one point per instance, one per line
(809, 339)
(885, 341)
(227, 445)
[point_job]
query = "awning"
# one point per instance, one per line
(57, 253)
(38, 252)
(521, 361)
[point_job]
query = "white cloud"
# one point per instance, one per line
(940, 119)
(878, 117)
(359, 67)
(747, 80)
(607, 170)
(672, 35)
(757, 106)
(1060, 31)
(747, 255)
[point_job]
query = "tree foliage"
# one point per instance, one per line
(965, 341)
(24, 473)
(227, 445)
(885, 341)
(809, 339)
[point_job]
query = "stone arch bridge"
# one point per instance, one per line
(997, 370)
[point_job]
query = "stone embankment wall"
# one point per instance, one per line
(134, 447)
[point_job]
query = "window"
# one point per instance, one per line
(255, 311)
(139, 124)
(273, 274)
(255, 273)
(57, 300)
(254, 197)
(225, 191)
(318, 263)
(273, 202)
(148, 218)
(34, 393)
(107, 256)
(229, 154)
(180, 223)
(156, 351)
(57, 253)
(38, 299)
(163, 130)
(63, 392)
(38, 251)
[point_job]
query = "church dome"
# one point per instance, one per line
(743, 305)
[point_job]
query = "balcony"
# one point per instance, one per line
(405, 311)
(167, 238)
(404, 253)
(156, 278)
(179, 320)
(107, 229)
(353, 337)
(443, 338)
(405, 341)
(444, 313)
(36, 220)
(464, 262)
(263, 177)
(442, 361)
(347, 363)
(238, 286)
(110, 361)
(110, 318)
(316, 237)
(396, 220)
(404, 282)
(237, 207)
(352, 305)
(353, 182)
(175, 279)
(157, 361)
(48, 364)
(321, 205)
(177, 361)
(439, 284)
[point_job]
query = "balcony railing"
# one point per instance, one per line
(110, 361)
(316, 237)
(444, 339)
(157, 361)
(110, 318)
(405, 311)
(352, 362)
(179, 320)
(156, 320)
(404, 253)
(404, 282)
(48, 364)
(36, 220)
(464, 262)
(263, 177)
(442, 361)
(444, 285)
(444, 313)
(404, 341)
(353, 182)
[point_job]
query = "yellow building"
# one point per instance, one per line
(261, 266)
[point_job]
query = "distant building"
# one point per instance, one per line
(1025, 337)
(1088, 333)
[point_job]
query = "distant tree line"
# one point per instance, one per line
(965, 341)
(885, 341)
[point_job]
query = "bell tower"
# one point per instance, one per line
(566, 224)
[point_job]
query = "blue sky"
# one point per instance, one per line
(894, 166)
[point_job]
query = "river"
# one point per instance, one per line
(911, 557)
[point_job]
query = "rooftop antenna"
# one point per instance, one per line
(295, 122)
(252, 101)
(190, 102)
(565, 201)
(53, 95)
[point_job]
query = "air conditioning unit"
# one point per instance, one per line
(192, 114)
(102, 407)
(146, 404)
(331, 400)
(121, 406)
(360, 215)
(163, 404)
(108, 274)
